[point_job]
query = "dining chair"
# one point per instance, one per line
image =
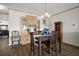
(37, 45)
(16, 38)
(36, 42)
(48, 44)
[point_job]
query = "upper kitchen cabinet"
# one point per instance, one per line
(31, 20)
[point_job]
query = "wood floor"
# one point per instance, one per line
(3, 42)
(67, 50)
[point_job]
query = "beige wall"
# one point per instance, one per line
(70, 32)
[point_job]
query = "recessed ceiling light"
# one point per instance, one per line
(2, 7)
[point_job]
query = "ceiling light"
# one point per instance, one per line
(42, 16)
(47, 14)
(2, 7)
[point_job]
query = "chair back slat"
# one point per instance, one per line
(53, 37)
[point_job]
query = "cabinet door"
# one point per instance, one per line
(31, 20)
(25, 37)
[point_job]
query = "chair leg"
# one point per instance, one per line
(42, 50)
(50, 51)
(12, 44)
(59, 46)
(56, 51)
(19, 44)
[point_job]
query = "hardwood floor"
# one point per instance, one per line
(3, 42)
(67, 50)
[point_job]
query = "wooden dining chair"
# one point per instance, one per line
(51, 44)
(48, 44)
(37, 44)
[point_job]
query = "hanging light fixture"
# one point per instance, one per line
(46, 14)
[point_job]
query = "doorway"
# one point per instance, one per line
(4, 36)
(58, 28)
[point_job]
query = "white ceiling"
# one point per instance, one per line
(40, 8)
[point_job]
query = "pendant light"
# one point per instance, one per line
(46, 14)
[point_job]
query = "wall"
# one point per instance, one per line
(41, 22)
(70, 21)
(15, 22)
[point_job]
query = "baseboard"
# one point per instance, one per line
(70, 44)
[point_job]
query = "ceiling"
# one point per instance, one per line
(40, 8)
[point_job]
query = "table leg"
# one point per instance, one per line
(59, 46)
(50, 50)
(39, 47)
(32, 48)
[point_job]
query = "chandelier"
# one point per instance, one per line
(46, 14)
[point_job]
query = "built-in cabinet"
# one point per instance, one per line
(25, 23)
(31, 20)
